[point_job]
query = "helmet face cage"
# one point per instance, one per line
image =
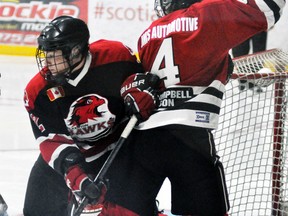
(162, 7)
(57, 63)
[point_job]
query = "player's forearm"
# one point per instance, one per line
(54, 149)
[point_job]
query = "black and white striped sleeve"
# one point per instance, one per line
(272, 9)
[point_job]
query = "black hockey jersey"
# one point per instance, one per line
(85, 114)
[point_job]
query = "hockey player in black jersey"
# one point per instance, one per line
(76, 113)
(188, 48)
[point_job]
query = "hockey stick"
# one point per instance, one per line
(100, 177)
(3, 206)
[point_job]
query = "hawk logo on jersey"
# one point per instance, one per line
(89, 118)
(86, 108)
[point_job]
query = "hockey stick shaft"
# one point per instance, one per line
(129, 127)
(132, 122)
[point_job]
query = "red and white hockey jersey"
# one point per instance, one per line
(189, 48)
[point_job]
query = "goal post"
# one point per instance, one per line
(252, 137)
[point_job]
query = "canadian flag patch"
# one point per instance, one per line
(55, 93)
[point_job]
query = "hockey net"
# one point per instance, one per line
(252, 138)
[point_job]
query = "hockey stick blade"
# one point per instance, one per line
(3, 206)
(100, 177)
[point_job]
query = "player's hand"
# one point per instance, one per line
(78, 181)
(139, 94)
(81, 185)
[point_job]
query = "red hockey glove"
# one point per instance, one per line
(140, 97)
(79, 182)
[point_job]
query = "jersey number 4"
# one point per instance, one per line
(164, 65)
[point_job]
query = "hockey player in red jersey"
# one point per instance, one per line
(187, 47)
(76, 112)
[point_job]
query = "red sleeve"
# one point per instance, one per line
(32, 90)
(48, 128)
(105, 52)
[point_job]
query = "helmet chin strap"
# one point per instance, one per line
(72, 67)
(59, 79)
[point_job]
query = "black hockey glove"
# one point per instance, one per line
(140, 95)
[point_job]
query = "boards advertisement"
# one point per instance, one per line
(122, 20)
(21, 20)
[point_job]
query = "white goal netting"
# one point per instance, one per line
(252, 138)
